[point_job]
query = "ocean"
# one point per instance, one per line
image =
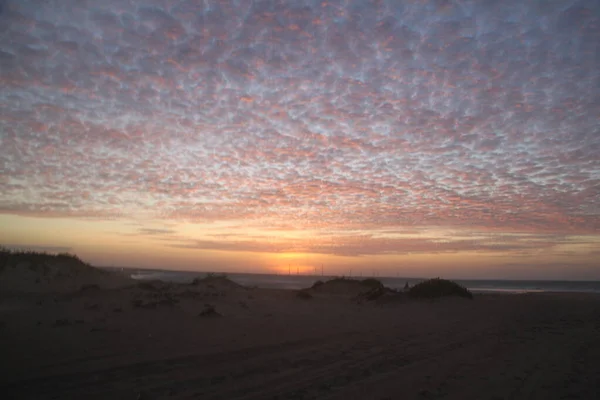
(283, 281)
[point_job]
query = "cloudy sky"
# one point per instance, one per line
(420, 138)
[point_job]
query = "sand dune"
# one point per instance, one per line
(30, 272)
(152, 341)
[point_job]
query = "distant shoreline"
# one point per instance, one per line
(294, 282)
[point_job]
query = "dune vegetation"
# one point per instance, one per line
(10, 257)
(368, 282)
(437, 287)
(35, 271)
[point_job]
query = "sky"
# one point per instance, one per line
(416, 138)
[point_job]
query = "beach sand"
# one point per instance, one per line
(215, 340)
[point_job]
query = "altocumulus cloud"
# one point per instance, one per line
(360, 114)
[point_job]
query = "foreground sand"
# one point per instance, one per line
(149, 342)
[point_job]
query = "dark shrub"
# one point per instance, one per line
(372, 283)
(214, 275)
(374, 293)
(149, 285)
(437, 287)
(339, 279)
(209, 311)
(213, 281)
(35, 258)
(317, 284)
(303, 294)
(348, 286)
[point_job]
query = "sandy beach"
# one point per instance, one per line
(177, 177)
(218, 340)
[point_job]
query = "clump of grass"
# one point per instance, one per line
(215, 275)
(155, 300)
(149, 285)
(303, 294)
(339, 279)
(372, 286)
(369, 282)
(317, 284)
(372, 283)
(35, 258)
(139, 303)
(216, 281)
(374, 293)
(69, 256)
(209, 277)
(434, 288)
(209, 311)
(6, 253)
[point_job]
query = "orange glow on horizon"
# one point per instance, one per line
(232, 247)
(292, 263)
(294, 269)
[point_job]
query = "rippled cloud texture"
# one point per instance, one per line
(324, 115)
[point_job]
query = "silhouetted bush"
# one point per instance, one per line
(152, 285)
(209, 311)
(437, 287)
(303, 294)
(317, 284)
(374, 293)
(69, 256)
(214, 275)
(372, 283)
(369, 282)
(14, 257)
(213, 281)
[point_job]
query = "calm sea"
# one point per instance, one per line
(303, 281)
